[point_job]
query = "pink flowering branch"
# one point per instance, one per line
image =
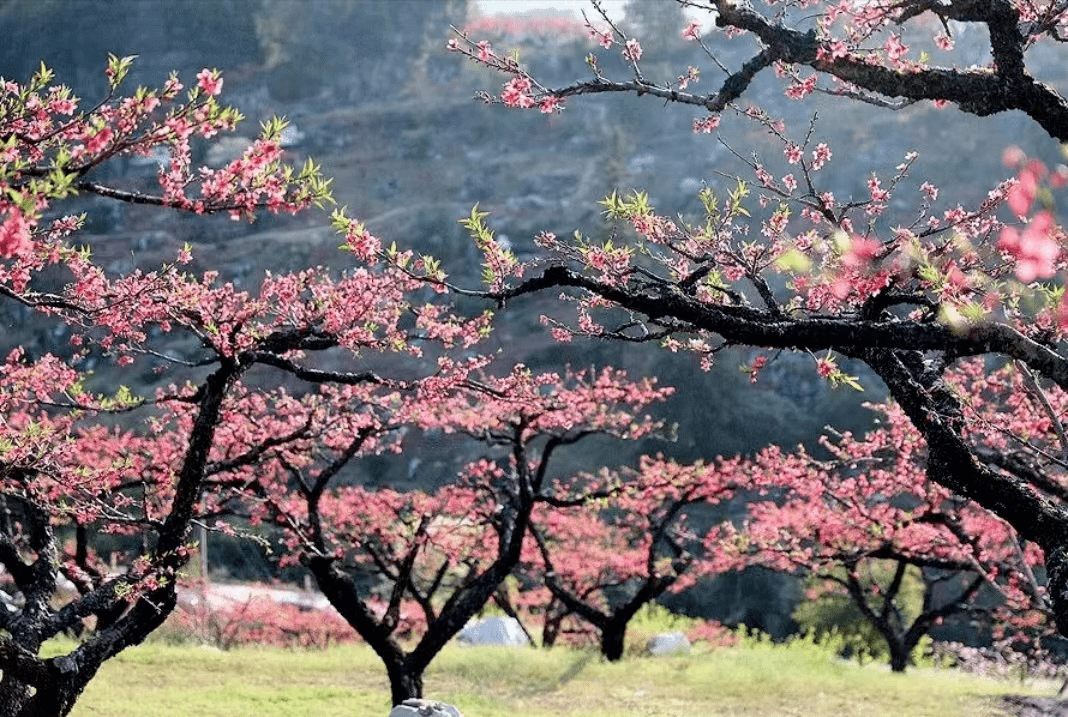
(878, 76)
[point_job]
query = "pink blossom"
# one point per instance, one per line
(1036, 253)
(632, 51)
(798, 90)
(692, 31)
(755, 366)
(955, 215)
(1059, 177)
(1013, 156)
(210, 81)
(705, 125)
(895, 48)
(99, 141)
(362, 243)
(1062, 311)
(15, 234)
(1022, 193)
(550, 104)
(484, 51)
(838, 49)
(820, 155)
(776, 224)
(861, 251)
(604, 39)
(733, 272)
(764, 176)
(793, 153)
(517, 93)
(878, 194)
(62, 106)
(944, 42)
(172, 87)
(789, 182)
(929, 191)
(692, 75)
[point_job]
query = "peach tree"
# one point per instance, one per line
(838, 277)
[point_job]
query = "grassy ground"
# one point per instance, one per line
(757, 679)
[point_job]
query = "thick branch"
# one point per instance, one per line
(754, 327)
(976, 91)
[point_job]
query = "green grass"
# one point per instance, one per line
(158, 680)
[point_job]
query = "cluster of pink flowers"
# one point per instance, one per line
(260, 621)
(1034, 249)
(692, 75)
(820, 156)
(16, 233)
(800, 88)
(705, 125)
(878, 194)
(895, 49)
(517, 93)
(613, 263)
(210, 81)
(550, 104)
(362, 243)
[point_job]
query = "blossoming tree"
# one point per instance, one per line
(66, 469)
(836, 278)
(872, 507)
(437, 557)
(604, 560)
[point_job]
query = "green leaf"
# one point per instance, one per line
(118, 67)
(795, 261)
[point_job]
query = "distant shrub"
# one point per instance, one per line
(713, 634)
(654, 619)
(1001, 660)
(257, 621)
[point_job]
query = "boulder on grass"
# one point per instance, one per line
(493, 631)
(424, 708)
(668, 643)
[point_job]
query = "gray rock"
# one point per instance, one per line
(668, 643)
(493, 631)
(424, 708)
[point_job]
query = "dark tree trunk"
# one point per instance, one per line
(613, 635)
(52, 702)
(404, 683)
(13, 696)
(549, 632)
(899, 656)
(55, 700)
(555, 614)
(1056, 550)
